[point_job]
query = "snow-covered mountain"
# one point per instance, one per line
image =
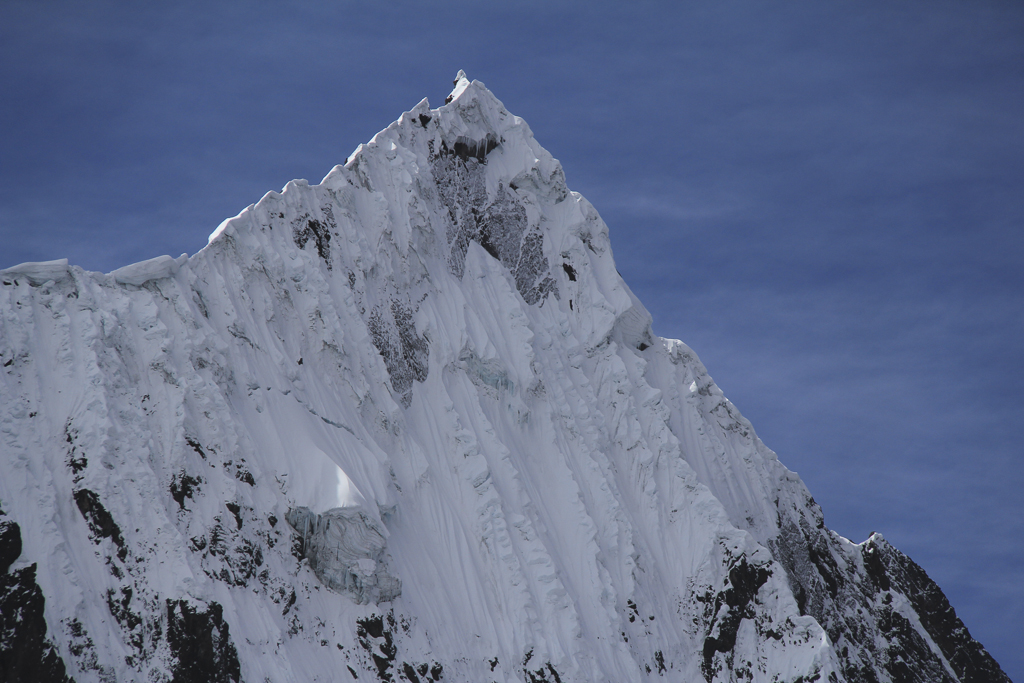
(410, 424)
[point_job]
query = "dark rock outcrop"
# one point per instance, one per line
(200, 641)
(26, 654)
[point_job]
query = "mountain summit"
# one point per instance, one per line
(410, 424)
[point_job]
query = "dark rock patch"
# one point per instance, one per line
(827, 568)
(875, 567)
(404, 352)
(120, 605)
(245, 476)
(236, 510)
(369, 632)
(196, 447)
(76, 465)
(10, 542)
(908, 657)
(500, 226)
(26, 655)
(466, 148)
(183, 486)
(227, 556)
(306, 229)
(376, 636)
(744, 582)
(200, 642)
(101, 524)
(81, 645)
(853, 602)
(969, 660)
(545, 674)
(76, 462)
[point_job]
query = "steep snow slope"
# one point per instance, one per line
(410, 423)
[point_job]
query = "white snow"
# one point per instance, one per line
(38, 272)
(153, 269)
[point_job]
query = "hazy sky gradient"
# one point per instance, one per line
(824, 199)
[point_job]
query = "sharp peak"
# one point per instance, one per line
(471, 110)
(461, 84)
(471, 118)
(467, 93)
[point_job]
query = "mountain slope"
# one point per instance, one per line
(410, 423)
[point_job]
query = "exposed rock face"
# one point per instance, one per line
(200, 643)
(26, 654)
(410, 424)
(914, 636)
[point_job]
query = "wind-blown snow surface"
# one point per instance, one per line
(436, 339)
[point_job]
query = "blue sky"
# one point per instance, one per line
(824, 199)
